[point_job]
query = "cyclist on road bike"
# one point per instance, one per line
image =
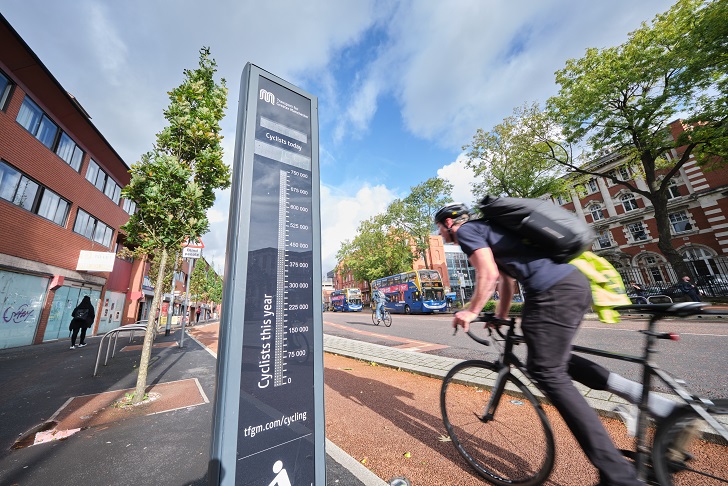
(379, 299)
(557, 297)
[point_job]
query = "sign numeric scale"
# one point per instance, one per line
(268, 421)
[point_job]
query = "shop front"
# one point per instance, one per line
(22, 298)
(66, 298)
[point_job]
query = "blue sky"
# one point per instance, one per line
(402, 86)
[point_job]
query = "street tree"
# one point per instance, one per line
(215, 286)
(378, 249)
(414, 214)
(622, 100)
(512, 159)
(173, 185)
(199, 282)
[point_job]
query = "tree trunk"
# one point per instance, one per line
(664, 242)
(141, 384)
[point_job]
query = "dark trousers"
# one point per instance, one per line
(549, 323)
(75, 333)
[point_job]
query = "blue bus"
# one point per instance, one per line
(346, 300)
(418, 291)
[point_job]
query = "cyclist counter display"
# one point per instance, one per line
(279, 411)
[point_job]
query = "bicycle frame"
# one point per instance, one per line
(649, 368)
(508, 359)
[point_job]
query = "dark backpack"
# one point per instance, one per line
(80, 313)
(555, 231)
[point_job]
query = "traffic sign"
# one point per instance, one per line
(194, 244)
(191, 252)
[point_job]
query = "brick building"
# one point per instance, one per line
(60, 183)
(626, 228)
(435, 256)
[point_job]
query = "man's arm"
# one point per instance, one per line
(486, 276)
(506, 288)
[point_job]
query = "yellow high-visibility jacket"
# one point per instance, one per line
(606, 284)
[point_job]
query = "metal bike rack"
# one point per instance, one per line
(659, 299)
(131, 329)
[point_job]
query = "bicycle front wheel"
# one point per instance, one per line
(387, 319)
(512, 445)
(688, 451)
(375, 321)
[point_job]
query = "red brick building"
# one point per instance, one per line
(626, 228)
(435, 257)
(60, 183)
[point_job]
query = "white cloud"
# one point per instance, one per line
(110, 50)
(341, 213)
(461, 178)
(458, 66)
(448, 67)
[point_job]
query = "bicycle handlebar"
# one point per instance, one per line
(495, 323)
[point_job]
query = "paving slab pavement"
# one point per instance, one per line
(170, 448)
(37, 380)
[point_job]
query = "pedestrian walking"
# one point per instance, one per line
(83, 318)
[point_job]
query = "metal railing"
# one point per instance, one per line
(652, 299)
(131, 329)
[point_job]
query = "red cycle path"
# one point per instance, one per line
(390, 421)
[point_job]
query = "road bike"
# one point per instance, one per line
(386, 317)
(500, 428)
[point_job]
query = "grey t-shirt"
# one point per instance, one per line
(534, 269)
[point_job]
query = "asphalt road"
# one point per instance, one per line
(699, 357)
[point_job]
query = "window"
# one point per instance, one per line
(92, 171)
(96, 176)
(69, 151)
(623, 173)
(604, 239)
(637, 231)
(596, 212)
(129, 206)
(25, 193)
(680, 222)
(9, 179)
(92, 228)
(628, 202)
(36, 122)
(53, 207)
(672, 191)
(5, 87)
(28, 194)
(592, 186)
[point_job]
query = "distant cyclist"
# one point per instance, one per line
(557, 297)
(379, 299)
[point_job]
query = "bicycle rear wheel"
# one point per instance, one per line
(387, 319)
(688, 451)
(374, 318)
(513, 446)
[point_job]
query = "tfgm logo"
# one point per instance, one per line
(268, 96)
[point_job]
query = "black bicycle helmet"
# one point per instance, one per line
(452, 210)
